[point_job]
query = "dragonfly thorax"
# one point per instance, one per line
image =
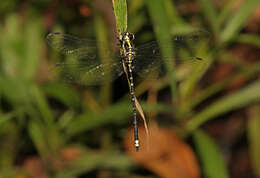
(127, 46)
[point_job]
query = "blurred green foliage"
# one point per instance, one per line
(210, 156)
(41, 116)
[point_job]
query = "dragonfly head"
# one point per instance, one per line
(126, 36)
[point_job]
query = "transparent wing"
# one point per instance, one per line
(81, 48)
(85, 65)
(88, 74)
(149, 57)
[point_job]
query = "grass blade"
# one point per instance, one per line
(116, 114)
(120, 11)
(172, 13)
(249, 39)
(67, 95)
(101, 33)
(161, 25)
(238, 20)
(37, 135)
(211, 158)
(90, 161)
(253, 137)
(42, 105)
(236, 100)
(210, 13)
(226, 12)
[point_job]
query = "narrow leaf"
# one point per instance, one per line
(116, 114)
(238, 20)
(38, 137)
(210, 13)
(161, 25)
(253, 137)
(42, 105)
(120, 11)
(90, 161)
(67, 95)
(236, 100)
(210, 155)
(249, 39)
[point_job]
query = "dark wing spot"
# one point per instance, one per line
(198, 58)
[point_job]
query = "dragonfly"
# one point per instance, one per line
(88, 68)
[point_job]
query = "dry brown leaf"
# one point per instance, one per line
(35, 167)
(165, 154)
(140, 110)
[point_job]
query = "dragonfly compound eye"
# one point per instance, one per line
(120, 37)
(131, 36)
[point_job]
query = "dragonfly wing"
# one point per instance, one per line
(83, 49)
(147, 59)
(68, 44)
(85, 67)
(88, 74)
(186, 47)
(150, 59)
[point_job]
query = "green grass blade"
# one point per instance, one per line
(187, 87)
(225, 12)
(66, 95)
(6, 117)
(102, 35)
(33, 53)
(249, 39)
(42, 105)
(236, 100)
(46, 140)
(116, 114)
(120, 11)
(210, 156)
(35, 129)
(210, 14)
(218, 86)
(253, 137)
(161, 25)
(90, 161)
(172, 13)
(238, 20)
